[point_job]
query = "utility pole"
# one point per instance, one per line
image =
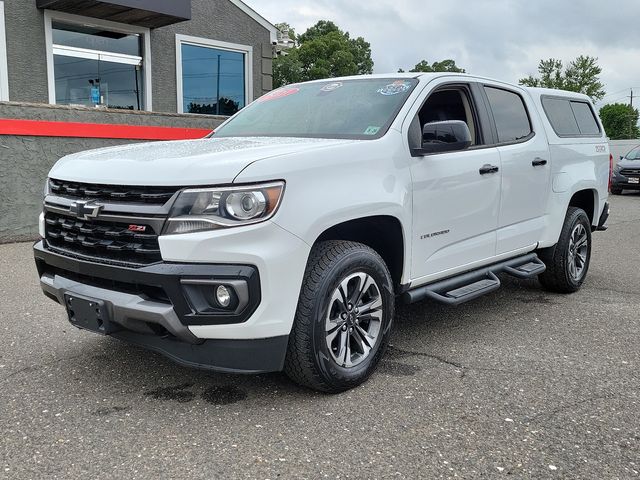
(631, 97)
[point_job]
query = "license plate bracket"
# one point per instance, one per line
(89, 314)
(634, 180)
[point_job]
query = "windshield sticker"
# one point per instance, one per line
(330, 87)
(371, 130)
(277, 94)
(395, 88)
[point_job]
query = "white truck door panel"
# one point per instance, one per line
(455, 210)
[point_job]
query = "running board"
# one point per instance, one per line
(474, 284)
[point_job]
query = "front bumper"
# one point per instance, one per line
(622, 183)
(148, 307)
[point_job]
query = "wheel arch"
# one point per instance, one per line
(586, 199)
(383, 233)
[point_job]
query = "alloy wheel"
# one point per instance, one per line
(354, 319)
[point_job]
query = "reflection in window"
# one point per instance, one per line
(110, 77)
(213, 80)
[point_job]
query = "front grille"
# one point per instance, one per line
(101, 241)
(630, 172)
(112, 193)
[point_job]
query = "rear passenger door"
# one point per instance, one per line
(526, 171)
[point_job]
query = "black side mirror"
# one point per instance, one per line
(447, 136)
(621, 157)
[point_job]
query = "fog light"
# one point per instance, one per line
(223, 296)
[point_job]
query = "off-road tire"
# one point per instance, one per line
(309, 361)
(557, 277)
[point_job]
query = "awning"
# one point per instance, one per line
(145, 13)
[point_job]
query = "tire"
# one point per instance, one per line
(327, 350)
(567, 265)
(616, 191)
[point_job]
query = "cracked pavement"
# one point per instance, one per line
(519, 382)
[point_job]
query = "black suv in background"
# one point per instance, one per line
(626, 175)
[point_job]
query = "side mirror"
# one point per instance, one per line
(621, 157)
(447, 136)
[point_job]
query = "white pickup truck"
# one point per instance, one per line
(283, 240)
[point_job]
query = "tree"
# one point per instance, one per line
(323, 51)
(620, 121)
(581, 75)
(447, 65)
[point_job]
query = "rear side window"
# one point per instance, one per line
(570, 118)
(510, 115)
(586, 119)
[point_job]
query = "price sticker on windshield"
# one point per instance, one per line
(277, 94)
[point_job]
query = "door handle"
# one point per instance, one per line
(488, 169)
(539, 162)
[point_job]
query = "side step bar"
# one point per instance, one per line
(471, 285)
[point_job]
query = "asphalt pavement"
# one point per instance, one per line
(521, 382)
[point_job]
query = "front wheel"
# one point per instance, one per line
(616, 191)
(344, 317)
(568, 261)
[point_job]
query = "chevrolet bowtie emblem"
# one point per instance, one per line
(85, 210)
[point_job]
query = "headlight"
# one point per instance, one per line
(616, 169)
(213, 208)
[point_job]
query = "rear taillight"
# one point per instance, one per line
(610, 169)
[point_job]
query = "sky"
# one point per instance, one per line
(501, 39)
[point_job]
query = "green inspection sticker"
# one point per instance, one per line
(371, 130)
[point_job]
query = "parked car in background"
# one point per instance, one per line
(626, 175)
(284, 240)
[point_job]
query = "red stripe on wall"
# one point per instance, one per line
(37, 128)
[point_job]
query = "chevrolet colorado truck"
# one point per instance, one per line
(284, 240)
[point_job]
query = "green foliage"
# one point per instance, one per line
(581, 75)
(620, 121)
(323, 51)
(447, 65)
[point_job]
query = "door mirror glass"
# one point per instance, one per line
(446, 136)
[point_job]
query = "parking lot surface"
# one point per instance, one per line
(520, 382)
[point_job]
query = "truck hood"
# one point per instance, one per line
(207, 161)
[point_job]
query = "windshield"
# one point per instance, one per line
(353, 109)
(634, 154)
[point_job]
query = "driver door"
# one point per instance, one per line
(456, 198)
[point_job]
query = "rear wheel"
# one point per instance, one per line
(344, 317)
(568, 261)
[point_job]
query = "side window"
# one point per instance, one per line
(510, 115)
(570, 118)
(586, 120)
(561, 116)
(449, 104)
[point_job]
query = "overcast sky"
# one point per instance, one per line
(503, 39)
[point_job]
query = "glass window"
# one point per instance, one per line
(570, 118)
(213, 80)
(561, 116)
(92, 38)
(510, 115)
(586, 120)
(97, 68)
(355, 109)
(633, 154)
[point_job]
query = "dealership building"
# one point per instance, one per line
(79, 74)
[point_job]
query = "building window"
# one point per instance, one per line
(4, 76)
(97, 65)
(214, 78)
